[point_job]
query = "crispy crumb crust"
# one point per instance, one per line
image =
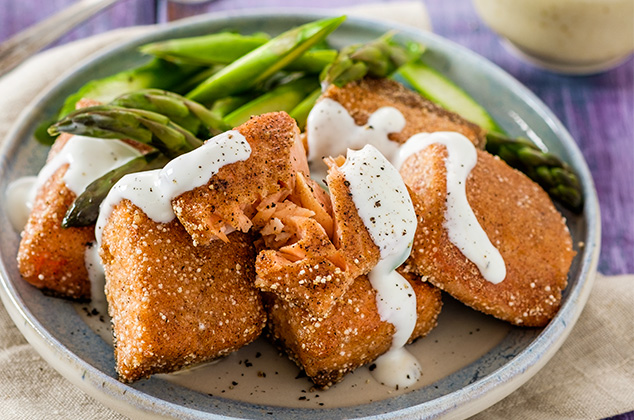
(519, 219)
(351, 235)
(51, 257)
(365, 96)
(230, 195)
(311, 272)
(350, 336)
(174, 304)
(316, 270)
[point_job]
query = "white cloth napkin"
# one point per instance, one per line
(592, 375)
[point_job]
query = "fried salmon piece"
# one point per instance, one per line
(520, 221)
(315, 267)
(310, 272)
(350, 336)
(350, 236)
(364, 97)
(174, 304)
(51, 257)
(228, 201)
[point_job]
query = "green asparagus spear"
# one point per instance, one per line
(550, 172)
(188, 114)
(218, 48)
(110, 122)
(155, 74)
(282, 98)
(439, 89)
(301, 111)
(258, 65)
(41, 132)
(224, 106)
(313, 61)
(85, 209)
(226, 47)
(196, 79)
(378, 58)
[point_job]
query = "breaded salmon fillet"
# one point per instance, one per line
(350, 235)
(51, 257)
(364, 97)
(174, 304)
(228, 200)
(316, 267)
(520, 221)
(350, 336)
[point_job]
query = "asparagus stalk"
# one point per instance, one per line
(110, 122)
(313, 61)
(550, 172)
(186, 113)
(301, 111)
(439, 89)
(196, 79)
(225, 48)
(284, 97)
(224, 106)
(155, 74)
(258, 65)
(219, 48)
(378, 58)
(85, 209)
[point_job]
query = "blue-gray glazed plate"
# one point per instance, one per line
(470, 361)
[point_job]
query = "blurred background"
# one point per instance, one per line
(598, 109)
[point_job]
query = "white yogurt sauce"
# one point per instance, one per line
(20, 196)
(153, 191)
(97, 278)
(331, 131)
(462, 226)
(88, 158)
(386, 209)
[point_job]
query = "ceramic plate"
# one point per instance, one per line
(470, 361)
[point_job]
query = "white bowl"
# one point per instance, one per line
(461, 378)
(565, 36)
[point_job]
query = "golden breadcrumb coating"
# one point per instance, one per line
(231, 195)
(174, 304)
(350, 336)
(310, 272)
(51, 257)
(351, 236)
(315, 269)
(520, 221)
(364, 97)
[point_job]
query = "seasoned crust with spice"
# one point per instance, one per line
(363, 97)
(350, 336)
(51, 257)
(174, 304)
(325, 254)
(228, 200)
(350, 236)
(520, 221)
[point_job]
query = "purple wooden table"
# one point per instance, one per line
(597, 110)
